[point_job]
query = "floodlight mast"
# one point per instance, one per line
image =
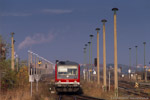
(98, 71)
(104, 56)
(115, 53)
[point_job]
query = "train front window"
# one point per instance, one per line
(67, 72)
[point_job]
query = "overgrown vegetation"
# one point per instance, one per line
(22, 76)
(10, 79)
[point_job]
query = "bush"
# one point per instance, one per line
(22, 76)
(7, 75)
(9, 80)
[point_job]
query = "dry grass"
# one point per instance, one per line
(95, 90)
(16, 94)
(24, 93)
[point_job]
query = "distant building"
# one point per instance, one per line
(120, 70)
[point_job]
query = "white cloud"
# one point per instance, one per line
(15, 14)
(56, 11)
(45, 11)
(35, 39)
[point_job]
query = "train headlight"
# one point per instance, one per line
(75, 81)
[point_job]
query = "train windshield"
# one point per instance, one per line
(67, 72)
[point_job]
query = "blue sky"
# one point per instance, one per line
(59, 29)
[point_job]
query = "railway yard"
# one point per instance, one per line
(92, 91)
(89, 91)
(87, 59)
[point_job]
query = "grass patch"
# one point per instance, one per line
(95, 90)
(23, 93)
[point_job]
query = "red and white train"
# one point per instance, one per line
(67, 76)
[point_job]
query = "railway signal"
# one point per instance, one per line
(95, 62)
(33, 62)
(39, 63)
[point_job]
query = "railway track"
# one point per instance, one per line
(135, 92)
(65, 97)
(125, 86)
(77, 97)
(129, 88)
(132, 84)
(82, 97)
(144, 86)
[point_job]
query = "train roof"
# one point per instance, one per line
(67, 63)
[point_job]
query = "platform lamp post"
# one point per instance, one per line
(145, 64)
(136, 62)
(91, 36)
(89, 62)
(98, 71)
(86, 61)
(115, 53)
(129, 63)
(104, 55)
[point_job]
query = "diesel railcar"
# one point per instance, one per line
(67, 76)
